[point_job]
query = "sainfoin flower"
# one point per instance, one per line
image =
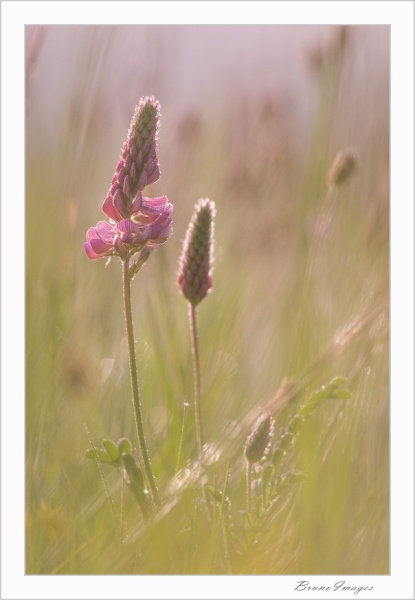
(196, 261)
(136, 224)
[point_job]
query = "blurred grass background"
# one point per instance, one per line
(252, 117)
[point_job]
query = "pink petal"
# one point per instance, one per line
(142, 182)
(154, 175)
(100, 247)
(126, 186)
(119, 203)
(127, 226)
(156, 206)
(89, 252)
(160, 201)
(162, 235)
(105, 231)
(133, 172)
(110, 210)
(121, 175)
(137, 204)
(91, 233)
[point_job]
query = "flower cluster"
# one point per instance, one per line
(137, 224)
(150, 222)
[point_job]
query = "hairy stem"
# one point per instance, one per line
(134, 381)
(196, 372)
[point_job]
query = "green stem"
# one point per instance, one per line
(198, 413)
(196, 372)
(134, 381)
(248, 486)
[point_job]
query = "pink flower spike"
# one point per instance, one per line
(137, 224)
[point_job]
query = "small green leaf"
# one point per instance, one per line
(124, 446)
(324, 393)
(342, 394)
(112, 450)
(337, 381)
(97, 454)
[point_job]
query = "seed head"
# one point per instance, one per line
(343, 166)
(196, 261)
(259, 440)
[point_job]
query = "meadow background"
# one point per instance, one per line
(252, 117)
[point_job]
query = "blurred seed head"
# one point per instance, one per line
(259, 440)
(323, 56)
(196, 261)
(344, 165)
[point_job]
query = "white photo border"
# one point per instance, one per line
(400, 16)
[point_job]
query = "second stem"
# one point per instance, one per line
(196, 371)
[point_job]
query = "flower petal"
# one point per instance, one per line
(119, 203)
(110, 210)
(156, 205)
(159, 236)
(105, 231)
(137, 204)
(89, 252)
(100, 247)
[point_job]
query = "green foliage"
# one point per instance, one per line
(112, 454)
